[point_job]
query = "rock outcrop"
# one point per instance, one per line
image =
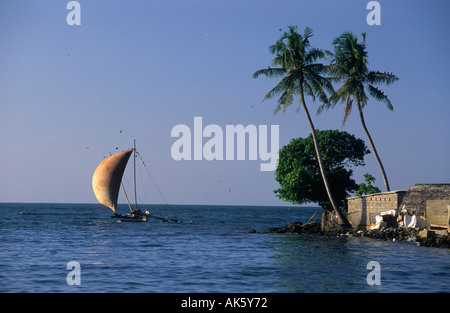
(296, 227)
(427, 239)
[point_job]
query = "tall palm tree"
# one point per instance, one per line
(295, 61)
(349, 66)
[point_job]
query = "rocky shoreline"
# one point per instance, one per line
(430, 239)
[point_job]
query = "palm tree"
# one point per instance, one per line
(295, 62)
(349, 65)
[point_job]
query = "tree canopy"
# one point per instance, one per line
(298, 172)
(298, 65)
(367, 188)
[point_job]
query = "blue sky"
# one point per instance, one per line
(143, 67)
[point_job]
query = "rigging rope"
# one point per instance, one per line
(157, 187)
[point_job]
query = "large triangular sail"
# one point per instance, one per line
(107, 178)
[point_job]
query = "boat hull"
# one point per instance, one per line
(125, 218)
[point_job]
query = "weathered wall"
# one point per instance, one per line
(416, 198)
(362, 210)
(437, 212)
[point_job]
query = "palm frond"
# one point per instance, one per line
(361, 96)
(309, 90)
(318, 84)
(380, 96)
(308, 32)
(270, 72)
(347, 110)
(278, 89)
(313, 55)
(286, 99)
(381, 77)
(342, 94)
(287, 88)
(334, 72)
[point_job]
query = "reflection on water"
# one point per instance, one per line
(319, 264)
(316, 264)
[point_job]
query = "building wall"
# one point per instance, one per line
(438, 214)
(426, 201)
(362, 210)
(416, 198)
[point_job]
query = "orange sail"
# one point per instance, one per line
(107, 178)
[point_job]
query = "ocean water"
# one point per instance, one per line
(209, 250)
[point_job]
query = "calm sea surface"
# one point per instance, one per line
(210, 250)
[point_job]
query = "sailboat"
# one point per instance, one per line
(106, 183)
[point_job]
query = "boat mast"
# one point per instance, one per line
(135, 194)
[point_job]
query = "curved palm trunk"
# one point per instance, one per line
(340, 216)
(374, 150)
